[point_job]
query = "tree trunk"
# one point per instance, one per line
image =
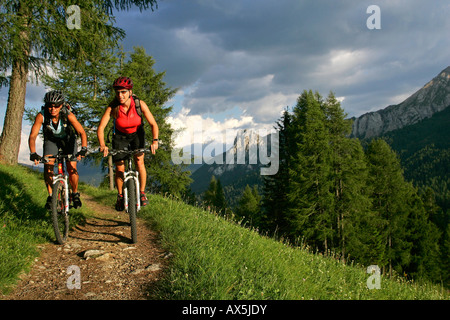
(12, 126)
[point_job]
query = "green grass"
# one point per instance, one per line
(24, 222)
(218, 259)
(212, 258)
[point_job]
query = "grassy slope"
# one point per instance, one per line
(24, 222)
(217, 259)
(212, 258)
(22, 197)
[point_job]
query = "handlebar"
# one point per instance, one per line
(46, 159)
(55, 156)
(114, 152)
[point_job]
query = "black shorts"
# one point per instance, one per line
(68, 146)
(124, 141)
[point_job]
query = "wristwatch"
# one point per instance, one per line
(155, 140)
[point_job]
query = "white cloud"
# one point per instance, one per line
(196, 129)
(341, 67)
(270, 107)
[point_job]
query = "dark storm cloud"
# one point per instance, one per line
(252, 54)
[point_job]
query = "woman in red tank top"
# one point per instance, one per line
(129, 133)
(128, 120)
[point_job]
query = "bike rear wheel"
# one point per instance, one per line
(132, 208)
(60, 218)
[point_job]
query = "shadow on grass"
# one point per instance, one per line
(20, 205)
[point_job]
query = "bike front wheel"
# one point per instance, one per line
(60, 217)
(132, 208)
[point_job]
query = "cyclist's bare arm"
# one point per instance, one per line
(78, 128)
(34, 133)
(101, 131)
(151, 120)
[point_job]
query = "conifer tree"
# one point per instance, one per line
(348, 176)
(214, 196)
(220, 202)
(210, 194)
(424, 237)
(276, 187)
(310, 200)
(249, 206)
(445, 260)
(390, 196)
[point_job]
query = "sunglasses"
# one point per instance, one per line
(53, 106)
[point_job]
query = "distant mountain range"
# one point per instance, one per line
(242, 164)
(426, 108)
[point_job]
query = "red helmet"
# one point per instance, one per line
(123, 82)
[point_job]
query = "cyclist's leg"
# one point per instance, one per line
(73, 175)
(119, 142)
(48, 175)
(48, 179)
(119, 177)
(120, 170)
(139, 143)
(140, 166)
(71, 165)
(50, 148)
(73, 181)
(139, 159)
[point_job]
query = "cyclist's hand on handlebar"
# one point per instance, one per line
(81, 153)
(154, 147)
(104, 149)
(35, 157)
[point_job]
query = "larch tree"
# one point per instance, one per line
(37, 35)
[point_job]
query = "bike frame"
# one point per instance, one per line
(61, 176)
(134, 175)
(130, 173)
(131, 177)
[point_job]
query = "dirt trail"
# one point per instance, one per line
(119, 270)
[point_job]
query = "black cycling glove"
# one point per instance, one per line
(35, 157)
(82, 152)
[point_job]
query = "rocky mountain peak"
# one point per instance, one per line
(431, 98)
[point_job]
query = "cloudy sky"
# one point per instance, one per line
(239, 63)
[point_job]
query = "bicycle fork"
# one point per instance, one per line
(63, 178)
(135, 177)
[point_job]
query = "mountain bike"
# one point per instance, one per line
(60, 197)
(131, 188)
